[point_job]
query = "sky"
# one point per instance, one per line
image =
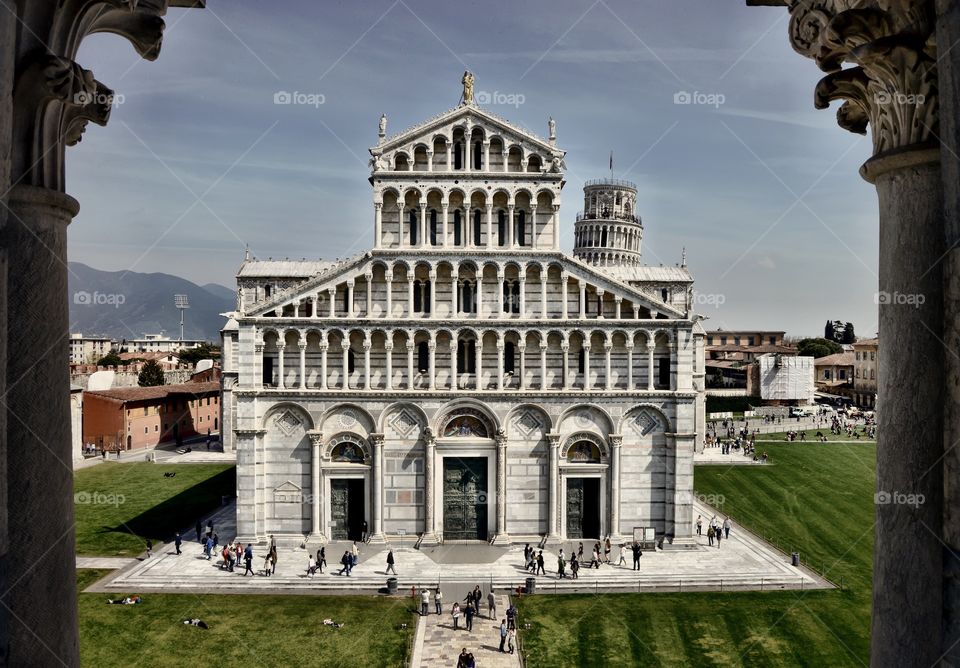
(761, 189)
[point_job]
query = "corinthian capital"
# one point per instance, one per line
(891, 85)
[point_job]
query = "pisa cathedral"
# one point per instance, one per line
(464, 379)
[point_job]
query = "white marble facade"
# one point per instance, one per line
(464, 379)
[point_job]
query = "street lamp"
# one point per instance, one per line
(182, 303)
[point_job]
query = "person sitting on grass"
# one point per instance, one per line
(130, 600)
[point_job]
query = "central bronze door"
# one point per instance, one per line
(465, 498)
(346, 509)
(583, 508)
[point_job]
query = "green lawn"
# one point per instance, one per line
(118, 506)
(818, 500)
(249, 631)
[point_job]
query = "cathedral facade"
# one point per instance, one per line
(464, 379)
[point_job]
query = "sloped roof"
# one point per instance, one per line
(837, 359)
(283, 268)
(663, 274)
(127, 394)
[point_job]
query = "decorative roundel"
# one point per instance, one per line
(348, 418)
(583, 418)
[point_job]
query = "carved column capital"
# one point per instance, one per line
(316, 438)
(616, 440)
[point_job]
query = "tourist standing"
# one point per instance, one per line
(273, 560)
(363, 531)
(511, 637)
(438, 600)
(699, 525)
(561, 564)
(248, 560)
(726, 528)
(503, 633)
(424, 602)
(390, 568)
(149, 548)
(491, 605)
(710, 535)
(580, 551)
(623, 555)
(540, 568)
(636, 555)
(574, 567)
(321, 559)
(455, 612)
(719, 535)
(606, 550)
(470, 612)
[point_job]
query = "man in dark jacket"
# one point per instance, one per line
(390, 568)
(248, 560)
(636, 556)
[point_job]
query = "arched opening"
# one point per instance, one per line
(433, 227)
(467, 356)
(423, 357)
(412, 225)
(457, 229)
(476, 227)
(509, 365)
(501, 228)
(521, 227)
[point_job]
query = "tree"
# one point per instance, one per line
(828, 331)
(848, 335)
(818, 348)
(150, 375)
(202, 352)
(110, 359)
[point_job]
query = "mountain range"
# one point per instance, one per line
(128, 304)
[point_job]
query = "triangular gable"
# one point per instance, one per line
(427, 127)
(309, 285)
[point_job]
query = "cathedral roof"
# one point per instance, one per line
(271, 268)
(463, 110)
(661, 274)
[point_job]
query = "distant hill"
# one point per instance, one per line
(127, 304)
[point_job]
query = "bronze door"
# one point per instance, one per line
(465, 498)
(339, 496)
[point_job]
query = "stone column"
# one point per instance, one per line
(376, 479)
(378, 224)
(366, 365)
(553, 509)
(368, 277)
(543, 293)
(500, 300)
(454, 293)
(500, 348)
(650, 369)
(403, 224)
(510, 224)
(453, 363)
(429, 153)
(444, 209)
(486, 155)
(583, 299)
(280, 380)
(600, 294)
(565, 347)
(522, 347)
(258, 361)
(449, 156)
(617, 301)
(479, 296)
(345, 347)
(324, 346)
(316, 528)
(410, 294)
(543, 365)
(429, 486)
(616, 440)
(314, 303)
(501, 537)
(431, 377)
(388, 348)
(586, 367)
(630, 366)
(388, 278)
(433, 293)
(38, 573)
(350, 285)
(479, 359)
(332, 293)
(422, 227)
(556, 227)
(489, 226)
(608, 380)
(533, 224)
(564, 279)
(682, 446)
(410, 368)
(523, 296)
(303, 365)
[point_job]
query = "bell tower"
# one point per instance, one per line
(608, 231)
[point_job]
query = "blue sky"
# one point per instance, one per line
(762, 189)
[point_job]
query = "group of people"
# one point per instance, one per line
(716, 530)
(534, 562)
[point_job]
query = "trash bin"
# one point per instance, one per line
(531, 585)
(795, 559)
(391, 585)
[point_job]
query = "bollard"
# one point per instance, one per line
(761, 584)
(721, 584)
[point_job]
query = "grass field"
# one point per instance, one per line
(250, 631)
(816, 499)
(118, 506)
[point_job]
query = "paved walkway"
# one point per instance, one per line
(743, 562)
(112, 563)
(438, 644)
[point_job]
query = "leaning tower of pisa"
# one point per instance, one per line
(608, 231)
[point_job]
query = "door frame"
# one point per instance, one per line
(584, 471)
(344, 472)
(457, 448)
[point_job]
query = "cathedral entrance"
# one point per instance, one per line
(465, 498)
(583, 508)
(346, 509)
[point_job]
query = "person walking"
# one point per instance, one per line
(248, 560)
(463, 661)
(726, 527)
(503, 634)
(273, 560)
(719, 535)
(491, 605)
(561, 564)
(321, 559)
(511, 638)
(710, 535)
(477, 598)
(699, 525)
(574, 567)
(540, 568)
(208, 548)
(455, 612)
(606, 550)
(346, 561)
(424, 602)
(511, 617)
(363, 531)
(390, 568)
(199, 533)
(177, 542)
(470, 612)
(438, 601)
(580, 551)
(312, 566)
(637, 553)
(623, 555)
(149, 548)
